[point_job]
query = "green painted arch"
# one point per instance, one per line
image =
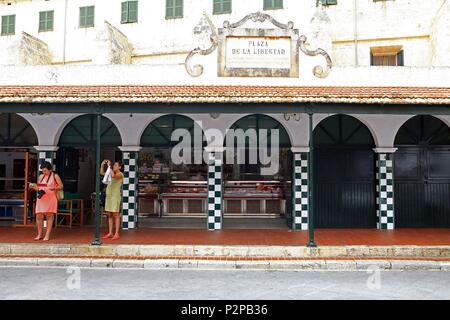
(16, 131)
(159, 132)
(260, 121)
(342, 131)
(82, 131)
(423, 130)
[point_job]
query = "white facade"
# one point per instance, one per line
(420, 28)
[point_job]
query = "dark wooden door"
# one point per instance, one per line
(422, 187)
(345, 188)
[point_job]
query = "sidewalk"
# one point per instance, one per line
(249, 237)
(345, 249)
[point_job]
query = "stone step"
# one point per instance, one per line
(316, 264)
(240, 251)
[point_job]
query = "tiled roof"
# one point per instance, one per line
(224, 94)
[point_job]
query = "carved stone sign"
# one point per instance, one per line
(245, 52)
(258, 52)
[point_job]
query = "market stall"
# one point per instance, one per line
(18, 167)
(166, 189)
(260, 199)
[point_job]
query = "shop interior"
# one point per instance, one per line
(18, 167)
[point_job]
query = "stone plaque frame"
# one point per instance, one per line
(224, 71)
(285, 30)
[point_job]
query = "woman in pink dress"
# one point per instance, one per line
(47, 203)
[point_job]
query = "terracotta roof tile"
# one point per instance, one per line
(224, 94)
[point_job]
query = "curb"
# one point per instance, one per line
(204, 251)
(329, 265)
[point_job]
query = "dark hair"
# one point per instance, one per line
(46, 165)
(120, 164)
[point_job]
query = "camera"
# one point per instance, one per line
(40, 193)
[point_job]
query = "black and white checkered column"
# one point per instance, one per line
(215, 191)
(385, 188)
(300, 189)
(129, 188)
(46, 153)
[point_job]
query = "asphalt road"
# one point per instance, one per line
(80, 284)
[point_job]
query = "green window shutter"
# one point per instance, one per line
(132, 11)
(50, 19)
(178, 8)
(42, 21)
(221, 6)
(174, 9)
(12, 24)
(124, 15)
(169, 8)
(46, 21)
(400, 58)
(273, 4)
(87, 16)
(8, 25)
(5, 25)
(226, 6)
(82, 17)
(90, 16)
(217, 6)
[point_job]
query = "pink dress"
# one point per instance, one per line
(49, 201)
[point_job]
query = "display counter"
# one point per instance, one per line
(259, 199)
(175, 198)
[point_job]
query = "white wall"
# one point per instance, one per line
(409, 23)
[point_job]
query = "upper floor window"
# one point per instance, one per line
(129, 12)
(46, 21)
(87, 17)
(8, 25)
(273, 4)
(221, 6)
(386, 56)
(327, 2)
(174, 9)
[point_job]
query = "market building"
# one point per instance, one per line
(363, 122)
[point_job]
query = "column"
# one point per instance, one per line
(385, 188)
(215, 191)
(300, 188)
(46, 153)
(130, 188)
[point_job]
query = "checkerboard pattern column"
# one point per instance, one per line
(385, 191)
(300, 192)
(215, 192)
(49, 156)
(129, 192)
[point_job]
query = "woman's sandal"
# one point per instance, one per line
(38, 238)
(115, 238)
(107, 236)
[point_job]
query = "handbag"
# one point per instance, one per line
(59, 193)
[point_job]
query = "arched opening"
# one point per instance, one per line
(18, 166)
(344, 174)
(172, 177)
(422, 173)
(257, 189)
(75, 158)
